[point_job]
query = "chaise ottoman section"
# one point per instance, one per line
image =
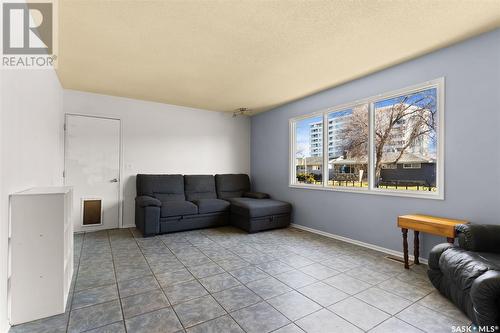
(255, 215)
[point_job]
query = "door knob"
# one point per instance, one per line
(114, 180)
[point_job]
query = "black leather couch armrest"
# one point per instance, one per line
(436, 253)
(147, 201)
(479, 237)
(256, 195)
(485, 295)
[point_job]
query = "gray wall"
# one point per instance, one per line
(472, 150)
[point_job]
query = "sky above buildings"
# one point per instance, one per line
(302, 136)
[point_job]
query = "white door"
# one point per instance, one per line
(92, 167)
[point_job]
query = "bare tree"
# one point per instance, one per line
(355, 134)
(410, 118)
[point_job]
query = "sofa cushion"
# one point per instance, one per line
(177, 208)
(258, 207)
(255, 195)
(199, 187)
(211, 205)
(161, 187)
(463, 267)
(231, 185)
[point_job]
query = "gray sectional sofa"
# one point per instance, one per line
(169, 203)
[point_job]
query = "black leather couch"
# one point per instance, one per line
(469, 274)
(169, 203)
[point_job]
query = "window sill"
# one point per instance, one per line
(402, 193)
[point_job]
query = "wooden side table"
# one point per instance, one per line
(429, 224)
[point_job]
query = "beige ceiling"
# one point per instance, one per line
(224, 54)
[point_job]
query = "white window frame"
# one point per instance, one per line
(438, 83)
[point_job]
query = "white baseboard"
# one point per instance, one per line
(355, 242)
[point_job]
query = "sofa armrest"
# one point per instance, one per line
(436, 253)
(479, 237)
(147, 219)
(147, 201)
(485, 295)
(256, 195)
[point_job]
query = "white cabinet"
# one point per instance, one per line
(41, 253)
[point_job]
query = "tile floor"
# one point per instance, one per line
(224, 280)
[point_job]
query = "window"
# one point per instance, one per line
(348, 147)
(389, 166)
(412, 165)
(387, 144)
(308, 151)
(406, 130)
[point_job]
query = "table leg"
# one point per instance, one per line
(450, 240)
(416, 246)
(405, 247)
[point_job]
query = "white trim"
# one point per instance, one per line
(375, 191)
(371, 147)
(292, 169)
(356, 242)
(325, 144)
(438, 84)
